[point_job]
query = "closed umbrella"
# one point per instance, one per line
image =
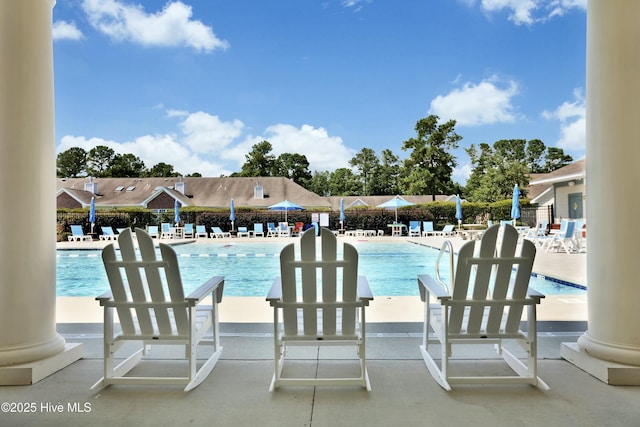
(92, 213)
(458, 210)
(285, 206)
(395, 203)
(515, 207)
(342, 217)
(176, 213)
(232, 214)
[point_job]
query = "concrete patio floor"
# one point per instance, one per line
(403, 392)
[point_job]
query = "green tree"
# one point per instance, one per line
(343, 182)
(260, 161)
(126, 165)
(385, 177)
(319, 183)
(72, 162)
(535, 153)
(99, 160)
(555, 159)
(162, 170)
(429, 168)
(293, 166)
(366, 162)
(497, 169)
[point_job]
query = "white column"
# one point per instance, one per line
(613, 177)
(27, 187)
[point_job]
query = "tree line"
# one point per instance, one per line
(427, 170)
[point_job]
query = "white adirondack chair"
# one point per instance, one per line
(330, 311)
(148, 297)
(482, 304)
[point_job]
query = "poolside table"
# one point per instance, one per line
(396, 229)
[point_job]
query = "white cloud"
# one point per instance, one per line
(205, 133)
(528, 12)
(63, 30)
(474, 104)
(323, 152)
(461, 173)
(152, 149)
(573, 123)
(172, 26)
(213, 147)
(175, 113)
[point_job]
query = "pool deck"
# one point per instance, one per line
(403, 393)
(565, 267)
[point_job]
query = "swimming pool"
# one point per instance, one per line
(249, 268)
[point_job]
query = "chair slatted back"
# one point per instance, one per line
(76, 230)
(143, 282)
(427, 225)
(489, 281)
(319, 280)
(568, 230)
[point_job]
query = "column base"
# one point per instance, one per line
(608, 372)
(32, 372)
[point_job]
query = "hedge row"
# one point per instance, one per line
(440, 213)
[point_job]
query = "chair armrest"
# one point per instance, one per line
(364, 291)
(104, 297)
(206, 288)
(532, 293)
(275, 293)
(428, 284)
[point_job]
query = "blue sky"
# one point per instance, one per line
(196, 83)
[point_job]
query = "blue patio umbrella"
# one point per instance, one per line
(342, 217)
(232, 214)
(395, 203)
(285, 206)
(176, 211)
(515, 207)
(458, 210)
(92, 213)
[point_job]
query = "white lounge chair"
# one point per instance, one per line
(330, 310)
(107, 233)
(153, 231)
(564, 240)
(188, 231)
(482, 304)
(447, 230)
(427, 228)
(166, 232)
(258, 230)
(147, 295)
(272, 230)
(414, 228)
(216, 232)
(243, 232)
(284, 230)
(579, 241)
(540, 230)
(201, 231)
(77, 235)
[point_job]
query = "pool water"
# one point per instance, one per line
(249, 268)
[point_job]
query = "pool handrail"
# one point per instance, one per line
(446, 247)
